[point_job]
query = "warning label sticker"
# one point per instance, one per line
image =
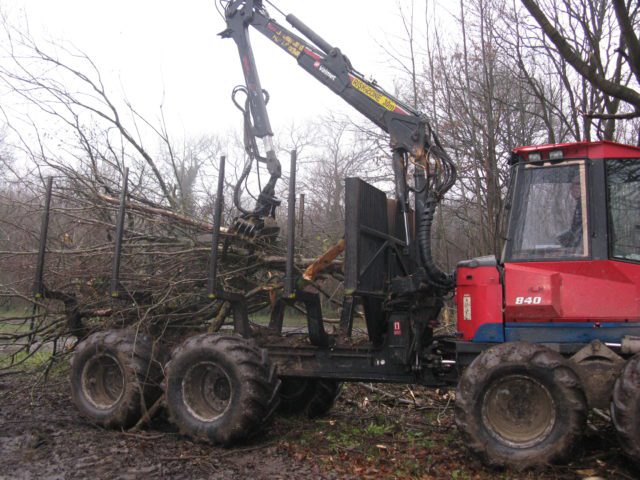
(290, 44)
(466, 306)
(373, 94)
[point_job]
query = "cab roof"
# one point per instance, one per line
(592, 150)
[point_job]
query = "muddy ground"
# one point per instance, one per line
(374, 432)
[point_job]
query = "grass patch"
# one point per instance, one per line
(16, 320)
(35, 364)
(421, 439)
(11, 327)
(291, 319)
(295, 319)
(23, 360)
(372, 447)
(14, 313)
(375, 441)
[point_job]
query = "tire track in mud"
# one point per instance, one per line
(41, 437)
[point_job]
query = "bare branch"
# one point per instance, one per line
(586, 70)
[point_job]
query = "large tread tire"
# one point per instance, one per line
(516, 372)
(220, 388)
(295, 394)
(323, 398)
(114, 377)
(625, 408)
(313, 397)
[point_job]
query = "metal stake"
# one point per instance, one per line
(289, 286)
(215, 240)
(301, 221)
(115, 270)
(38, 286)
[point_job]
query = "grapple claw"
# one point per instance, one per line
(253, 226)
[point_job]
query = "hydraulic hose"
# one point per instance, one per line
(250, 146)
(237, 189)
(435, 276)
(442, 179)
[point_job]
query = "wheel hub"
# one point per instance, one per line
(518, 411)
(103, 381)
(206, 391)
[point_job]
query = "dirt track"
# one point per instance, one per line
(41, 437)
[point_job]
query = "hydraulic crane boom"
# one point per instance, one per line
(409, 131)
(328, 65)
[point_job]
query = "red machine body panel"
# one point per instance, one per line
(578, 291)
(478, 299)
(559, 294)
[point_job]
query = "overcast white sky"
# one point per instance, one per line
(150, 50)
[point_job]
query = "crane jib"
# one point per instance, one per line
(295, 47)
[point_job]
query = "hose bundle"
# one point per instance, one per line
(437, 184)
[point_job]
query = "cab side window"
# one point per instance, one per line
(551, 222)
(623, 193)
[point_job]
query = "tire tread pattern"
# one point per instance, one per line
(135, 354)
(255, 404)
(625, 408)
(313, 397)
(538, 360)
(324, 396)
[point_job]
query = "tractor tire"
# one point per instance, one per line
(520, 405)
(625, 408)
(295, 394)
(323, 398)
(220, 388)
(114, 377)
(313, 397)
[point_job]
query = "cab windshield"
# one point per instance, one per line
(551, 220)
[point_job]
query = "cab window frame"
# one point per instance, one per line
(519, 203)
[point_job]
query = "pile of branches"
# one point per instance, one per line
(163, 282)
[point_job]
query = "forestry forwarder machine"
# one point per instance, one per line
(543, 335)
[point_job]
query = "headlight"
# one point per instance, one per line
(554, 155)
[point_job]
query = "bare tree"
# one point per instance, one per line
(337, 151)
(568, 22)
